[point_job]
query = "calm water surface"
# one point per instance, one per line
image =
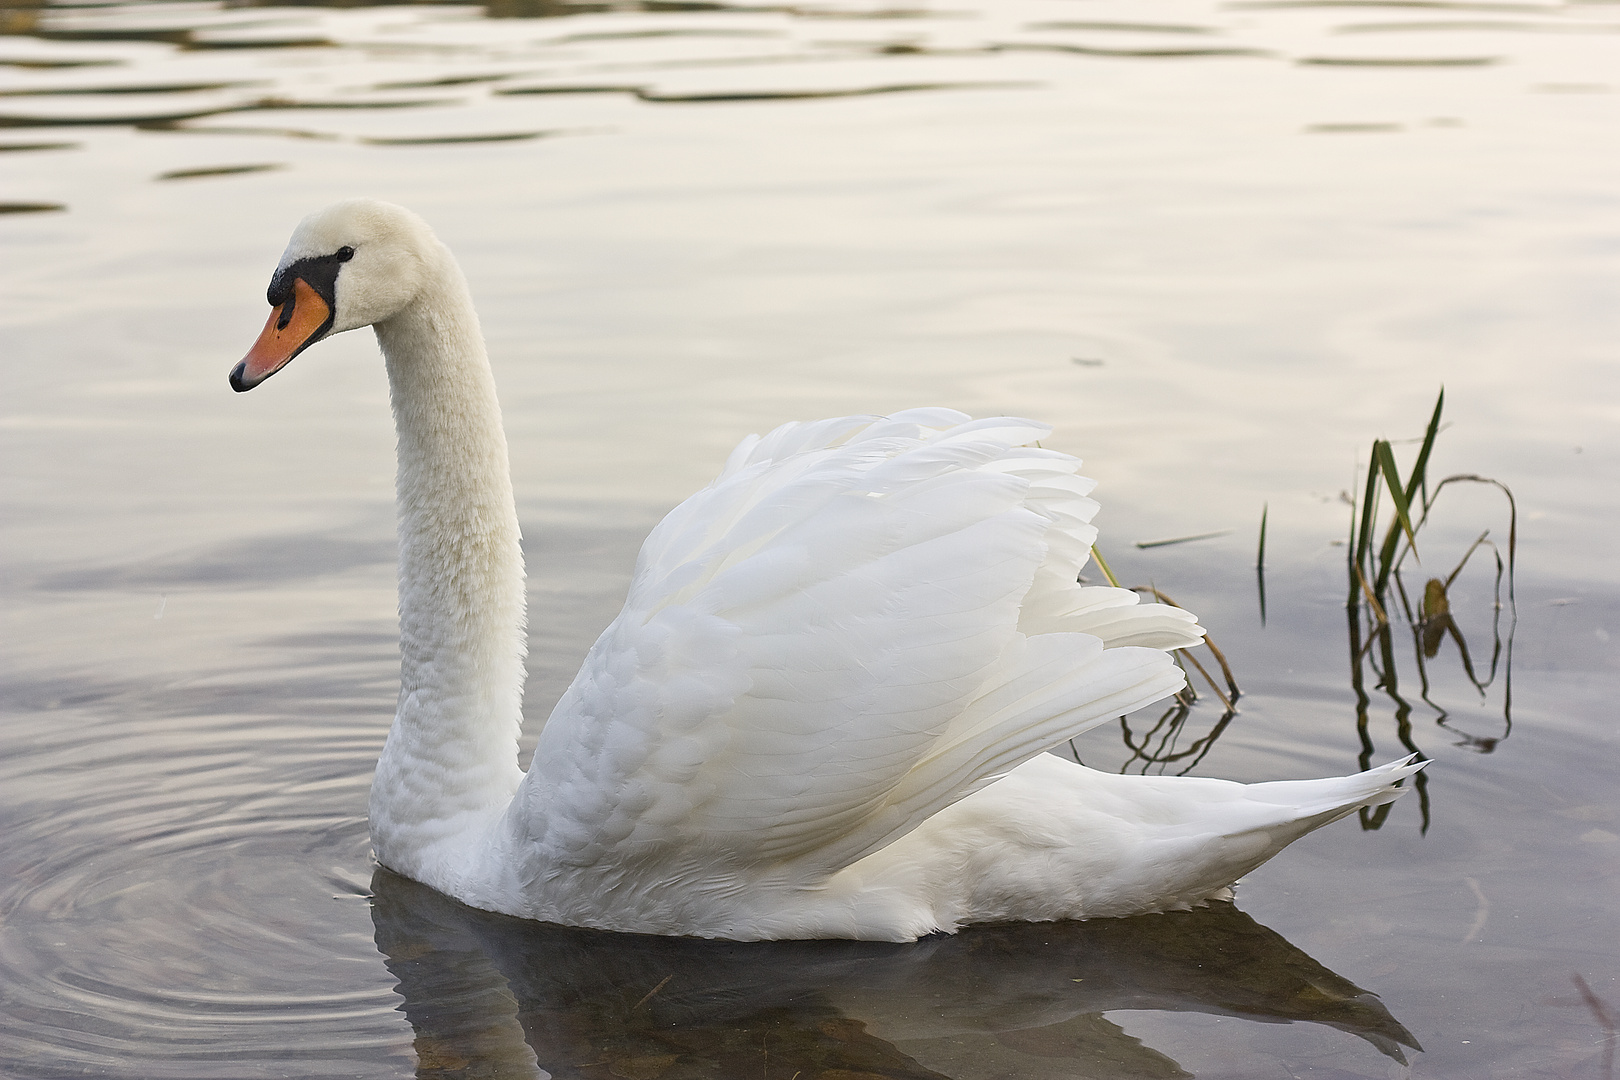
(1221, 247)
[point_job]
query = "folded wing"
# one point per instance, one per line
(861, 621)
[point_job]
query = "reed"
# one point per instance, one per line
(1260, 555)
(1260, 564)
(1377, 593)
(1372, 569)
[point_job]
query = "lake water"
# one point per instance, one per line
(1220, 247)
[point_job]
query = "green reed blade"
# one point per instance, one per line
(1145, 544)
(1102, 564)
(1260, 563)
(1369, 510)
(1397, 491)
(1513, 518)
(1403, 517)
(1260, 557)
(1417, 483)
(1419, 480)
(1469, 554)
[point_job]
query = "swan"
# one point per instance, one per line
(824, 708)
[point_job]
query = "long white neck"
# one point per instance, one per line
(450, 762)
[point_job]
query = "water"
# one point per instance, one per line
(1220, 248)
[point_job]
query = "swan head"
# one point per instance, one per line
(353, 264)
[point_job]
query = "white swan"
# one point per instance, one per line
(824, 708)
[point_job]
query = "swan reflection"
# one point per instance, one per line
(490, 995)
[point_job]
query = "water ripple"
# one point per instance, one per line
(183, 881)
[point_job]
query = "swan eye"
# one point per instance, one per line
(345, 253)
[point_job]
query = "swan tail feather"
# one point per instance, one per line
(1338, 795)
(1289, 809)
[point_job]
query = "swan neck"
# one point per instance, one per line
(452, 751)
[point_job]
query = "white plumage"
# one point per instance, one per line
(824, 708)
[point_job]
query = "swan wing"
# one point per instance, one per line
(825, 646)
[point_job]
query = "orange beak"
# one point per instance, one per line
(282, 339)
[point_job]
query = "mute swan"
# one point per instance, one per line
(824, 708)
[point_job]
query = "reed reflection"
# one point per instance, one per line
(1159, 743)
(491, 995)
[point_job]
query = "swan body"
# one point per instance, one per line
(824, 708)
